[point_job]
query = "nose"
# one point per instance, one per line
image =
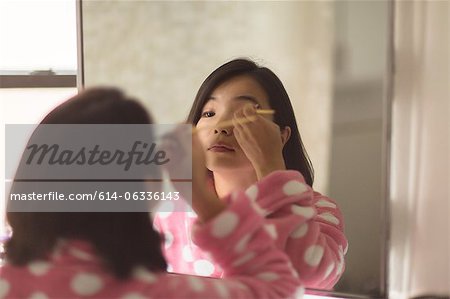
(223, 130)
(224, 123)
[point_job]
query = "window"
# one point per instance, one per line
(38, 66)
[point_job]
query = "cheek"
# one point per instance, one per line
(202, 137)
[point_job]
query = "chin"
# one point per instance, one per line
(218, 166)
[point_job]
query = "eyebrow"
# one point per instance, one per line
(242, 98)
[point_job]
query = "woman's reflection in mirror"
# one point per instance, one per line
(262, 157)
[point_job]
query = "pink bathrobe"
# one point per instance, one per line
(305, 224)
(236, 240)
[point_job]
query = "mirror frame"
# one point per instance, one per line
(388, 89)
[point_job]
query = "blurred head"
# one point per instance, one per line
(121, 240)
(267, 91)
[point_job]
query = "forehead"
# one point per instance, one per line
(240, 87)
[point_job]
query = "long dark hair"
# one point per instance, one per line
(122, 240)
(294, 153)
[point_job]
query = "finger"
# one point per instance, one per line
(239, 120)
(237, 133)
(242, 118)
(237, 126)
(239, 136)
(239, 114)
(243, 135)
(247, 113)
(249, 110)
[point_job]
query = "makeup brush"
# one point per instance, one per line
(229, 122)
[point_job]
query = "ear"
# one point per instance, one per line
(285, 134)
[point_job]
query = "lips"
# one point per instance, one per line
(221, 147)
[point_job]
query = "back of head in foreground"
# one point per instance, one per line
(122, 240)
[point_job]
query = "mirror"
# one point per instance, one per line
(332, 58)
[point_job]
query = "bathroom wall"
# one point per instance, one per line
(162, 51)
(420, 256)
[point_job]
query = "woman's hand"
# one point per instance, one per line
(205, 202)
(261, 140)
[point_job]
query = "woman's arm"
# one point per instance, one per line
(237, 241)
(306, 225)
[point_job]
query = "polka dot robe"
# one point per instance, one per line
(305, 224)
(237, 240)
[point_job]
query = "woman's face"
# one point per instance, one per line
(221, 148)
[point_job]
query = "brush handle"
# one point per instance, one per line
(243, 120)
(265, 111)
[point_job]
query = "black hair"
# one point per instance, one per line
(294, 152)
(122, 240)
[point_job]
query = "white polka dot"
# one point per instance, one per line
(313, 255)
(187, 254)
(196, 284)
(300, 231)
(86, 284)
(329, 269)
(82, 255)
(294, 187)
(134, 296)
(258, 209)
(144, 275)
(224, 224)
(271, 229)
(306, 212)
(252, 192)
(38, 295)
(221, 289)
(242, 244)
(4, 288)
(299, 292)
(329, 218)
(168, 239)
(325, 204)
(203, 267)
(247, 257)
(39, 268)
(268, 276)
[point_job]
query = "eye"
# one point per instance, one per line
(208, 114)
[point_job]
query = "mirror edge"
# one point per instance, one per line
(80, 48)
(387, 143)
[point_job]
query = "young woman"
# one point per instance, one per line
(262, 155)
(118, 255)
